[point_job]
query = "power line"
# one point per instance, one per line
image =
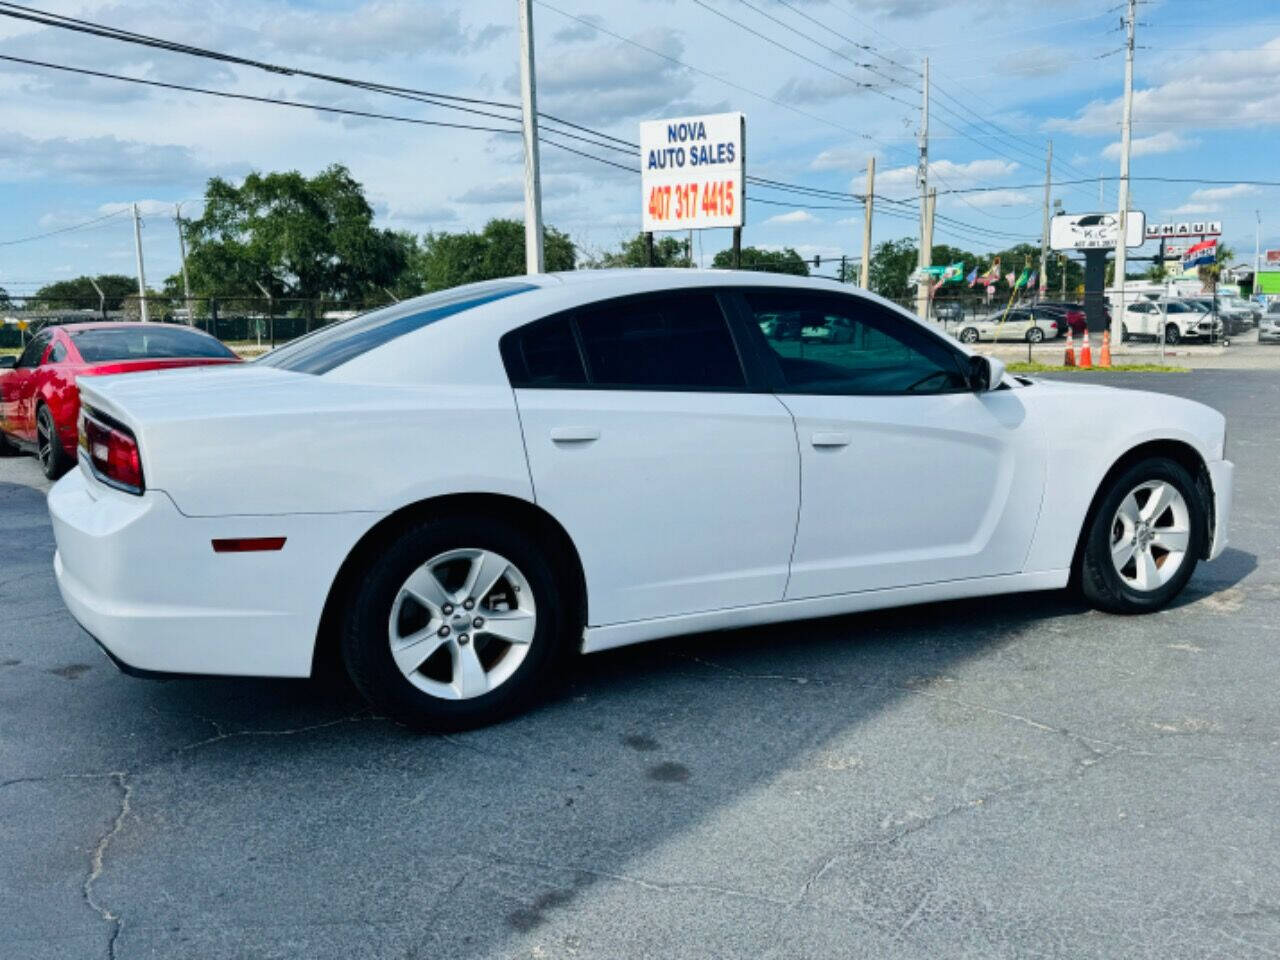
(68, 229)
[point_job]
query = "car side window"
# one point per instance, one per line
(58, 354)
(672, 341)
(34, 350)
(827, 344)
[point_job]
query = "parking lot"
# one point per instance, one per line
(988, 778)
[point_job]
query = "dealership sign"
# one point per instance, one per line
(1093, 231)
(691, 171)
(1193, 228)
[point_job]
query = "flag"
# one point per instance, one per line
(1031, 282)
(1009, 278)
(1200, 254)
(972, 278)
(1022, 280)
(953, 273)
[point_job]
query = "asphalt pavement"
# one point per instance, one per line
(992, 778)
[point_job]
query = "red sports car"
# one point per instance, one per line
(39, 402)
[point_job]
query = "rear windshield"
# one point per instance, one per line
(332, 346)
(157, 342)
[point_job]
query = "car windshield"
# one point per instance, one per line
(334, 345)
(154, 342)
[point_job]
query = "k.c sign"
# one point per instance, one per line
(691, 172)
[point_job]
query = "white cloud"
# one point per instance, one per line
(840, 158)
(1165, 142)
(950, 174)
(373, 31)
(793, 216)
(97, 160)
(1227, 88)
(1212, 199)
(1001, 198)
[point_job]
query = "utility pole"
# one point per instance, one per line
(931, 204)
(533, 255)
(102, 298)
(922, 179)
(182, 252)
(142, 279)
(1044, 236)
(1257, 249)
(868, 205)
(1117, 316)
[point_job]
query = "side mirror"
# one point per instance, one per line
(8, 362)
(985, 373)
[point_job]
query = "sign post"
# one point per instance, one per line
(1095, 235)
(691, 172)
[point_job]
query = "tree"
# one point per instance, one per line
(785, 260)
(450, 259)
(667, 252)
(78, 293)
(891, 266)
(1210, 274)
(5, 302)
(297, 236)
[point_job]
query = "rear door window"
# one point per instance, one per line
(672, 341)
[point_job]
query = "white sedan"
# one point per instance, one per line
(454, 493)
(1024, 323)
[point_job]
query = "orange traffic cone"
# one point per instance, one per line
(1105, 359)
(1086, 355)
(1070, 359)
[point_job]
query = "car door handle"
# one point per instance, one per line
(831, 439)
(574, 434)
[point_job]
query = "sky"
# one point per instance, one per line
(824, 84)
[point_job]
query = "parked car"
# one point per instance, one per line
(1269, 328)
(39, 401)
(1250, 307)
(948, 311)
(1074, 314)
(1178, 320)
(454, 493)
(1029, 324)
(1234, 321)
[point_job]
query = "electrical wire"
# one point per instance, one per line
(96, 221)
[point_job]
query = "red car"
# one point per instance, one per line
(39, 402)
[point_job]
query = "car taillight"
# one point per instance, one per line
(113, 452)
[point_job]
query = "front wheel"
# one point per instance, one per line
(53, 459)
(1172, 335)
(1144, 539)
(1035, 335)
(460, 622)
(969, 335)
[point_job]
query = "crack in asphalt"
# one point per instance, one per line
(221, 734)
(121, 780)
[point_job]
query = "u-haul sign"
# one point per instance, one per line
(1186, 228)
(691, 171)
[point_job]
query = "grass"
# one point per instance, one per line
(1114, 368)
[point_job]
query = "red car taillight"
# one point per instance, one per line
(113, 453)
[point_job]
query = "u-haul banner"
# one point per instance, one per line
(691, 171)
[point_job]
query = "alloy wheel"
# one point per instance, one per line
(462, 623)
(1150, 534)
(45, 437)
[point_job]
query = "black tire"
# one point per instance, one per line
(968, 335)
(1124, 333)
(1172, 335)
(365, 640)
(1101, 584)
(1035, 335)
(7, 448)
(54, 461)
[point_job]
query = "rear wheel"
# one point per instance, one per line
(969, 335)
(53, 459)
(460, 622)
(1035, 335)
(1172, 335)
(1144, 539)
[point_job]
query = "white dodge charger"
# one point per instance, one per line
(456, 492)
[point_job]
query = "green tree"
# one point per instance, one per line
(891, 266)
(785, 260)
(1211, 273)
(5, 302)
(450, 259)
(667, 252)
(78, 292)
(297, 236)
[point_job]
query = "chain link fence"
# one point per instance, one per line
(248, 323)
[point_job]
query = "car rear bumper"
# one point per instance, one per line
(144, 581)
(1222, 477)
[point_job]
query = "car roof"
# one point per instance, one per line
(123, 325)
